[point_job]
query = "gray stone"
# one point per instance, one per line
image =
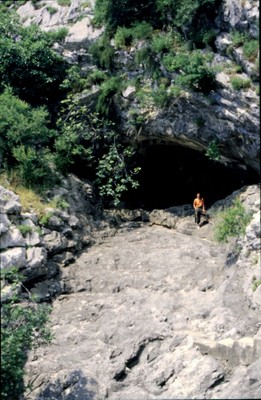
(27, 217)
(9, 202)
(55, 242)
(156, 309)
(4, 223)
(33, 239)
(8, 291)
(15, 257)
(36, 256)
(11, 238)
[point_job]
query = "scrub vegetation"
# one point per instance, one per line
(232, 222)
(24, 325)
(46, 129)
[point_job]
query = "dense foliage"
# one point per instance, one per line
(25, 139)
(28, 63)
(56, 117)
(179, 14)
(94, 143)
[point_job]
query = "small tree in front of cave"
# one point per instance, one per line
(91, 141)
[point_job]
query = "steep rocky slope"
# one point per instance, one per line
(150, 312)
(151, 308)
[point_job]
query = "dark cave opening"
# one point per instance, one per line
(172, 175)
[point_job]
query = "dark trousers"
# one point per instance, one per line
(198, 213)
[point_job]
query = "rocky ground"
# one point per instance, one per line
(153, 313)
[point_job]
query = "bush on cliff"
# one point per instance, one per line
(25, 139)
(28, 63)
(23, 326)
(232, 222)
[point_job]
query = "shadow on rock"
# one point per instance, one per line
(75, 386)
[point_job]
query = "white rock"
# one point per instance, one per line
(13, 258)
(4, 223)
(35, 257)
(9, 202)
(12, 238)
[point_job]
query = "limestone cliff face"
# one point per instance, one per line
(194, 120)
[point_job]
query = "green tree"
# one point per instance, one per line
(25, 138)
(159, 13)
(89, 140)
(28, 63)
(124, 12)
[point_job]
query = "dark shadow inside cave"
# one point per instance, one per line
(171, 175)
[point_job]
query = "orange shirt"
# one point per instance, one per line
(198, 203)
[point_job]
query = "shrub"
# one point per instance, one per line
(136, 119)
(145, 58)
(51, 10)
(45, 218)
(97, 146)
(213, 151)
(14, 3)
(24, 229)
(232, 222)
(23, 326)
(238, 38)
(161, 96)
(64, 2)
(200, 122)
(59, 202)
(162, 43)
(34, 166)
(73, 81)
(59, 35)
(193, 70)
(96, 78)
(123, 12)
(256, 283)
(250, 49)
(114, 176)
(142, 30)
(175, 91)
(28, 63)
(103, 53)
(240, 83)
(24, 139)
(209, 36)
(125, 37)
(105, 103)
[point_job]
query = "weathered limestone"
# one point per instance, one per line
(155, 309)
(42, 250)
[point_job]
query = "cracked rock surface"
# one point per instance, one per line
(152, 313)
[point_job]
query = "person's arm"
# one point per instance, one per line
(204, 208)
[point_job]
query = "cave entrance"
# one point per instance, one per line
(171, 175)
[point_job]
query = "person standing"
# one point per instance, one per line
(199, 207)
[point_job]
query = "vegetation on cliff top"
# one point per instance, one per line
(47, 126)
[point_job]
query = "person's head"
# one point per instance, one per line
(198, 195)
